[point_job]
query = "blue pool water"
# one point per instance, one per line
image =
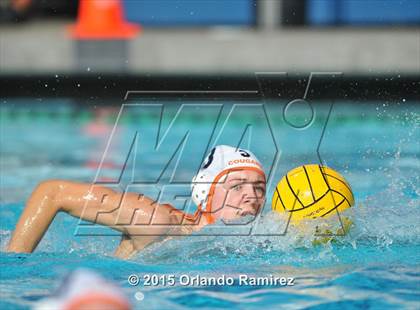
(374, 145)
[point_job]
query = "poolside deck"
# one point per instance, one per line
(45, 47)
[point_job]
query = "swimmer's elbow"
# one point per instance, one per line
(49, 185)
(49, 190)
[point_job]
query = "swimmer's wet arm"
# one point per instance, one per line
(91, 203)
(38, 214)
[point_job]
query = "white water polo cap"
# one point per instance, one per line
(221, 160)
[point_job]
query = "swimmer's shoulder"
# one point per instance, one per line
(172, 214)
(157, 214)
(181, 223)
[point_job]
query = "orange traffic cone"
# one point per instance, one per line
(102, 19)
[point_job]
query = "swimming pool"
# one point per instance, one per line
(374, 145)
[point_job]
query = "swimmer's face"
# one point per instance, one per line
(239, 193)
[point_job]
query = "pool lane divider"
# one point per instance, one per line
(87, 115)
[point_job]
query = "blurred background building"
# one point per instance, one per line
(185, 38)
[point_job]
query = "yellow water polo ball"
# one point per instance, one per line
(312, 191)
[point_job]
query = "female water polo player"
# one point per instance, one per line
(230, 184)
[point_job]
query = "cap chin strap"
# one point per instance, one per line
(197, 215)
(207, 215)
